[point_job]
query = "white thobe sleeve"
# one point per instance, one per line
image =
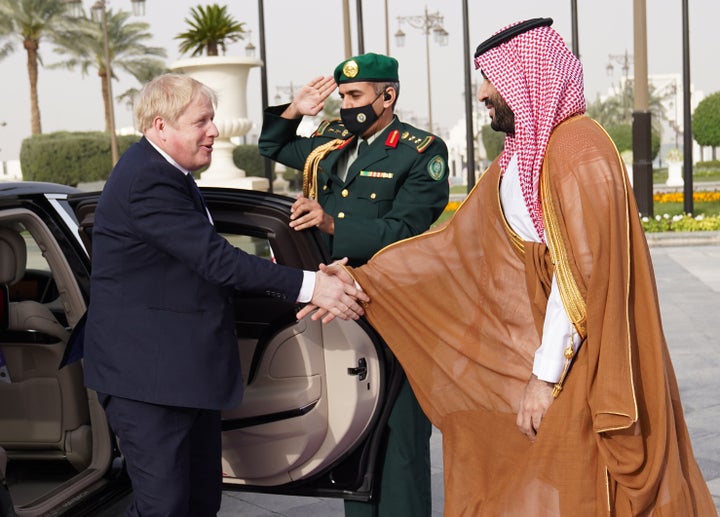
(557, 328)
(558, 332)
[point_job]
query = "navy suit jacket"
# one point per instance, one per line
(160, 326)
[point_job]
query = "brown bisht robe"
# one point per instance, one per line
(453, 305)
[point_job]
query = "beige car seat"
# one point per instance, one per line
(43, 409)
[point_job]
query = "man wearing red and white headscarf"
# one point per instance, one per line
(529, 325)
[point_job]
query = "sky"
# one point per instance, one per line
(305, 39)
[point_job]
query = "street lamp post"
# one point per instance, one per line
(641, 116)
(687, 115)
(427, 22)
(624, 60)
(99, 14)
(469, 96)
(249, 48)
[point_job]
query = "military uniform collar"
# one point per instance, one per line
(376, 134)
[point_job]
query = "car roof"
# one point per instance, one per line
(23, 188)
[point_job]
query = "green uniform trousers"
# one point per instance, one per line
(405, 482)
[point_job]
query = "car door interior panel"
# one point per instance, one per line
(315, 407)
(303, 406)
(46, 416)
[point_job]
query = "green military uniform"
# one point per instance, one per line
(395, 189)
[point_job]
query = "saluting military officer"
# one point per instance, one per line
(368, 180)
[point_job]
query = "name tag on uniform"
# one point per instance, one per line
(376, 174)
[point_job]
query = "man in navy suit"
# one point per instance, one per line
(160, 343)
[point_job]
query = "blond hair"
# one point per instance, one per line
(167, 96)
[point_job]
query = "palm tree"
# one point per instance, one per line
(30, 21)
(210, 27)
(5, 31)
(85, 49)
(614, 113)
(617, 108)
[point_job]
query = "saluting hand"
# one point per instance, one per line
(310, 99)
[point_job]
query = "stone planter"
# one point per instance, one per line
(280, 184)
(675, 177)
(227, 75)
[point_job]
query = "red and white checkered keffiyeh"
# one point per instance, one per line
(542, 83)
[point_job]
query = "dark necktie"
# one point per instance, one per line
(197, 194)
(362, 146)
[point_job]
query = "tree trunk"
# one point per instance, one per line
(106, 102)
(31, 47)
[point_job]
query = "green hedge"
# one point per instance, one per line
(493, 141)
(621, 135)
(70, 158)
(248, 159)
(710, 165)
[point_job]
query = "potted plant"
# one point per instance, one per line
(210, 29)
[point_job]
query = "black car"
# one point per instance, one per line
(316, 396)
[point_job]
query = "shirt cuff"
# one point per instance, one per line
(307, 288)
(558, 330)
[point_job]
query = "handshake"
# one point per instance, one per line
(335, 295)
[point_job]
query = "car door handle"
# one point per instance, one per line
(360, 370)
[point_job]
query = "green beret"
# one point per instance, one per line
(374, 68)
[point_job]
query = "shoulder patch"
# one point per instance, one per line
(332, 129)
(419, 140)
(436, 167)
(322, 127)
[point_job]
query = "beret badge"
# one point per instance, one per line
(350, 69)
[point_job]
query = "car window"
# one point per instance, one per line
(35, 258)
(37, 283)
(258, 246)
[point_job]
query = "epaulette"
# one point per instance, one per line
(332, 129)
(416, 138)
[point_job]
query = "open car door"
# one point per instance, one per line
(316, 396)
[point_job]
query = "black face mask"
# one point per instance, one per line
(358, 120)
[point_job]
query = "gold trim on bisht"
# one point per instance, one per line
(572, 299)
(310, 170)
(515, 239)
